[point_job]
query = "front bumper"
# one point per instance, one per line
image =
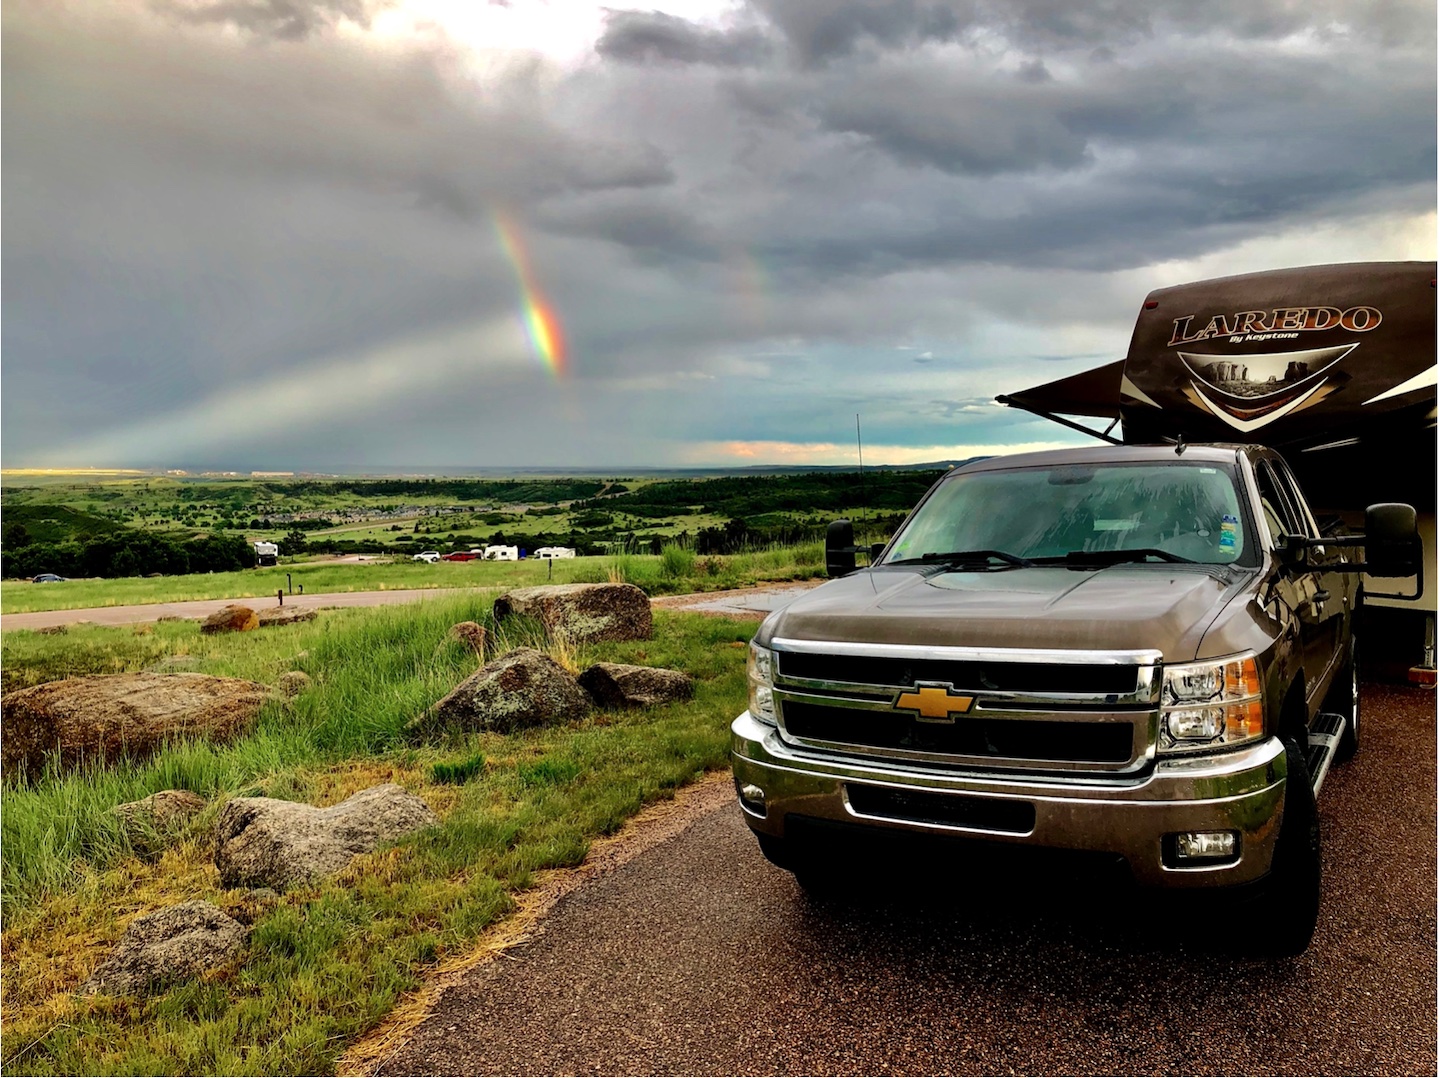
(1241, 790)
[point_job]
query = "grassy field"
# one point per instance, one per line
(674, 573)
(324, 964)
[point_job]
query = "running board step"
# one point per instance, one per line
(1324, 740)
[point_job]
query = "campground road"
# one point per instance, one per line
(697, 957)
(740, 602)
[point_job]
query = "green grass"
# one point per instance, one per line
(655, 574)
(323, 964)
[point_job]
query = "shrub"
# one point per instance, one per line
(676, 561)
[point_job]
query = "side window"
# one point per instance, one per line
(1291, 488)
(1280, 516)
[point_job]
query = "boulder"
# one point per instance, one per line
(232, 619)
(294, 682)
(621, 685)
(151, 820)
(522, 688)
(271, 616)
(582, 612)
(104, 717)
(472, 634)
(174, 944)
(262, 842)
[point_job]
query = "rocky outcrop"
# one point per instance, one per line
(294, 682)
(471, 634)
(232, 619)
(262, 842)
(108, 716)
(271, 616)
(522, 688)
(150, 821)
(582, 613)
(175, 944)
(622, 685)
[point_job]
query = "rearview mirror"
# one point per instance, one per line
(839, 548)
(1392, 541)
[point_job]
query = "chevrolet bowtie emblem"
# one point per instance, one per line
(934, 703)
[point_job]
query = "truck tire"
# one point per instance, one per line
(1289, 897)
(1344, 697)
(818, 875)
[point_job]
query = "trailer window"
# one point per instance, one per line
(1191, 510)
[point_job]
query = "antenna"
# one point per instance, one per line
(860, 454)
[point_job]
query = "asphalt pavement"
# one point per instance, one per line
(698, 957)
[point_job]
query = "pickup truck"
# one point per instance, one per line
(1143, 655)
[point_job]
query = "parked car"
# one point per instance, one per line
(464, 555)
(47, 578)
(431, 556)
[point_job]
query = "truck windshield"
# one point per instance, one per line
(1191, 511)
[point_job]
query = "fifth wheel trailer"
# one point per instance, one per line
(1334, 366)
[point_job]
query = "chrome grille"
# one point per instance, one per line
(1033, 710)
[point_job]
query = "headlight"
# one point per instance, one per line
(761, 674)
(1210, 705)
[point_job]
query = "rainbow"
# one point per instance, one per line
(542, 325)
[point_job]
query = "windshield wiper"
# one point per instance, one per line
(1115, 557)
(966, 557)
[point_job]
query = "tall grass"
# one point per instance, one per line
(324, 963)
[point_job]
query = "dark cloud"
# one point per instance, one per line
(283, 20)
(738, 222)
(640, 37)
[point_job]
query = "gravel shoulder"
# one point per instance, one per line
(694, 956)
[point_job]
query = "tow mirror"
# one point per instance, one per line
(1392, 541)
(839, 548)
(876, 549)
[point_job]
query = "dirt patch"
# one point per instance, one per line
(654, 825)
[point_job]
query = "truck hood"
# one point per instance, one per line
(1119, 608)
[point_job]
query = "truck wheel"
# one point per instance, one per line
(1344, 697)
(1289, 897)
(819, 876)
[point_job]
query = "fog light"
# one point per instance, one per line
(1205, 845)
(753, 796)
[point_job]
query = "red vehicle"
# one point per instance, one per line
(464, 555)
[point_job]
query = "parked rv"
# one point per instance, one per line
(502, 553)
(266, 554)
(555, 552)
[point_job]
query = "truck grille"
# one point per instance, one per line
(1015, 739)
(996, 676)
(1014, 709)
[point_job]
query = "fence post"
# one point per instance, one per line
(280, 596)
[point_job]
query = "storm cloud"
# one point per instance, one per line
(263, 233)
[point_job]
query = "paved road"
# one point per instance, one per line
(697, 957)
(745, 602)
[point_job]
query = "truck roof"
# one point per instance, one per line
(1214, 453)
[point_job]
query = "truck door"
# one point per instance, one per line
(1302, 588)
(1336, 588)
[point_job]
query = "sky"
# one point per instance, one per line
(349, 235)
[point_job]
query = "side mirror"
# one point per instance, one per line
(876, 549)
(839, 548)
(1392, 541)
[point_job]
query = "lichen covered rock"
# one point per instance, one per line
(264, 842)
(174, 944)
(105, 717)
(232, 619)
(623, 685)
(582, 613)
(522, 688)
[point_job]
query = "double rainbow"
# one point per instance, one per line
(542, 325)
